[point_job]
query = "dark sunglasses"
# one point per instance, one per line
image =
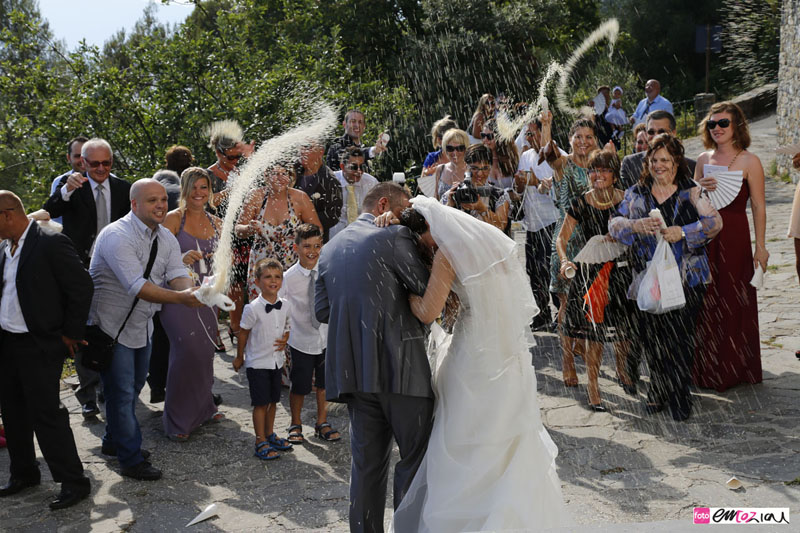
(95, 164)
(652, 133)
(459, 148)
(353, 167)
(722, 123)
(487, 136)
(235, 157)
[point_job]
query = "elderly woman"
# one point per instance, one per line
(591, 322)
(493, 202)
(691, 222)
(191, 332)
(728, 344)
(438, 157)
(455, 143)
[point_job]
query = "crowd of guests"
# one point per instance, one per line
(131, 256)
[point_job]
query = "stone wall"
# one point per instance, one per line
(789, 83)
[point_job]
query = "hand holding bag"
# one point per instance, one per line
(661, 288)
(97, 353)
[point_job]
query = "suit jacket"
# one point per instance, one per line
(79, 215)
(53, 287)
(328, 200)
(375, 344)
(632, 166)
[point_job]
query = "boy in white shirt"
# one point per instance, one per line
(308, 338)
(261, 344)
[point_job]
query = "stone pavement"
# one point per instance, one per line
(621, 471)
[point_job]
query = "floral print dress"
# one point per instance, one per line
(272, 241)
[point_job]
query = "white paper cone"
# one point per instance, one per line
(207, 513)
(655, 213)
(202, 267)
(758, 278)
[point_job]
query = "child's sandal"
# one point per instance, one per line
(265, 452)
(296, 434)
(278, 443)
(326, 435)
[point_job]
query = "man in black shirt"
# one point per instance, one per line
(320, 184)
(354, 125)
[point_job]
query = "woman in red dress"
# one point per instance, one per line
(728, 350)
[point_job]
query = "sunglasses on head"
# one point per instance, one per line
(95, 164)
(487, 136)
(459, 148)
(651, 133)
(353, 167)
(722, 123)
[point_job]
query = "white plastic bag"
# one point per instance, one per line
(661, 289)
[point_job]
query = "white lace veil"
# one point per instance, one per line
(487, 266)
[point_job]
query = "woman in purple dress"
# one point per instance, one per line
(189, 402)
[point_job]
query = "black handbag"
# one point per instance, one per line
(99, 350)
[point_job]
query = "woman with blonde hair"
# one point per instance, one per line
(189, 402)
(728, 345)
(455, 143)
(438, 157)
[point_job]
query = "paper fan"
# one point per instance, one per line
(427, 184)
(729, 183)
(599, 104)
(599, 250)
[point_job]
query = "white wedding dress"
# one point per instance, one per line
(490, 463)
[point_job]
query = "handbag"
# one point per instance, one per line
(99, 350)
(661, 289)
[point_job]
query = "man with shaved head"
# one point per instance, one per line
(44, 304)
(121, 254)
(652, 102)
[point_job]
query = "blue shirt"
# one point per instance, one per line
(431, 158)
(658, 103)
(120, 256)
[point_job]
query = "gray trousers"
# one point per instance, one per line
(374, 420)
(89, 383)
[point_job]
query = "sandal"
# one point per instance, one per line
(216, 417)
(571, 382)
(325, 435)
(265, 452)
(278, 443)
(296, 434)
(180, 437)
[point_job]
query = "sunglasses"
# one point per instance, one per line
(353, 167)
(235, 157)
(474, 168)
(95, 164)
(652, 133)
(722, 123)
(487, 136)
(459, 148)
(601, 170)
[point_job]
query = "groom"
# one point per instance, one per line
(376, 359)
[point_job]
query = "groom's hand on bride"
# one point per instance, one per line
(386, 219)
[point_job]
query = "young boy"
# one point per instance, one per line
(308, 337)
(261, 344)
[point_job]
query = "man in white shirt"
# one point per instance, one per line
(540, 217)
(652, 102)
(355, 185)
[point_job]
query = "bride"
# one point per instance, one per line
(490, 463)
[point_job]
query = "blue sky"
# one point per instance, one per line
(97, 20)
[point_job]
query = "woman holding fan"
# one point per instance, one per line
(728, 345)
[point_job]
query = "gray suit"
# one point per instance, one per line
(376, 360)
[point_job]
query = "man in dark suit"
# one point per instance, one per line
(658, 122)
(376, 360)
(318, 182)
(354, 125)
(44, 304)
(88, 202)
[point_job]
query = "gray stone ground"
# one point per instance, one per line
(621, 471)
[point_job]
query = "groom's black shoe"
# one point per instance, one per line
(16, 485)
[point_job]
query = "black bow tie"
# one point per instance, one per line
(276, 305)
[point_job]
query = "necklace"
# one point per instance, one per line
(734, 158)
(600, 203)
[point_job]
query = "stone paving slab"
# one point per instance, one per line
(621, 471)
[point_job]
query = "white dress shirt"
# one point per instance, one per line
(11, 318)
(361, 188)
(303, 336)
(65, 194)
(539, 209)
(265, 328)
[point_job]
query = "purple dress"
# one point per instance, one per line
(189, 402)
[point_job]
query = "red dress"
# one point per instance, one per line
(728, 349)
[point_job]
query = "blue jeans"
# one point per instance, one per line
(122, 383)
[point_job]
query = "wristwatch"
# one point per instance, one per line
(683, 234)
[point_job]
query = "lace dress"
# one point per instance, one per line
(573, 185)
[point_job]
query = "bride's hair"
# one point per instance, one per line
(413, 220)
